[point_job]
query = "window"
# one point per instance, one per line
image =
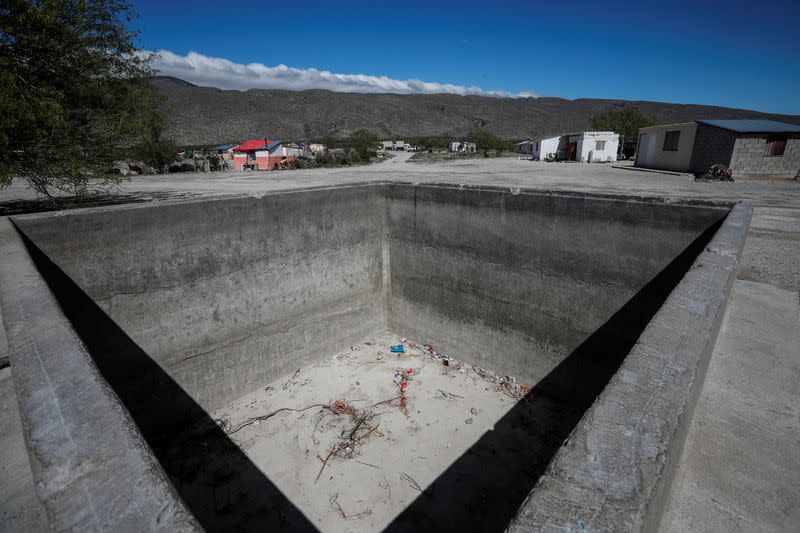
(537, 146)
(671, 140)
(776, 144)
(599, 145)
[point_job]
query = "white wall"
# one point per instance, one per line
(650, 152)
(587, 146)
(546, 146)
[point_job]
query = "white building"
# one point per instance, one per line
(393, 145)
(590, 146)
(461, 147)
(540, 148)
(525, 147)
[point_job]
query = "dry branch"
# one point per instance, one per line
(267, 416)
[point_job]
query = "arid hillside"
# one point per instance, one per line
(206, 115)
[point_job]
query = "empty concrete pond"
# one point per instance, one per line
(151, 341)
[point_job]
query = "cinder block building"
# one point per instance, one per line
(750, 148)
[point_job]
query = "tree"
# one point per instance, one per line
(74, 93)
(365, 143)
(152, 147)
(486, 140)
(156, 151)
(625, 121)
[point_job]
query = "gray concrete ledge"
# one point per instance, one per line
(91, 467)
(615, 470)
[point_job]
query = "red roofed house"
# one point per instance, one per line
(251, 155)
(263, 154)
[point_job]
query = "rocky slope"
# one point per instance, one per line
(206, 115)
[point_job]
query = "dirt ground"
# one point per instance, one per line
(351, 449)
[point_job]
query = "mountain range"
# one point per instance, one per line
(207, 115)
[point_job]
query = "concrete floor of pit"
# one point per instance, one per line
(445, 413)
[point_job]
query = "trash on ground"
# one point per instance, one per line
(403, 377)
(397, 348)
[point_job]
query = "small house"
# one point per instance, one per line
(251, 155)
(316, 148)
(524, 147)
(750, 148)
(589, 146)
(540, 148)
(461, 147)
(393, 145)
(263, 154)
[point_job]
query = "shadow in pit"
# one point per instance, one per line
(218, 483)
(484, 488)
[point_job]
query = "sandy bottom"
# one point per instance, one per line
(352, 450)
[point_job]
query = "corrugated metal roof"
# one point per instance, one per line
(754, 126)
(249, 146)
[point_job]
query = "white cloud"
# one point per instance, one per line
(225, 74)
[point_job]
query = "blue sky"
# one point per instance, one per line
(736, 54)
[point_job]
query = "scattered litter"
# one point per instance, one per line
(379, 356)
(397, 348)
(403, 377)
(468, 421)
(507, 385)
(473, 411)
(404, 339)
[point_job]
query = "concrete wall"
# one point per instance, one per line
(92, 469)
(651, 152)
(748, 157)
(615, 470)
(712, 145)
(515, 282)
(546, 146)
(587, 147)
(225, 295)
(228, 295)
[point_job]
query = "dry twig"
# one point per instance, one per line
(267, 416)
(286, 385)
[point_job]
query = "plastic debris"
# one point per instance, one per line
(403, 377)
(397, 348)
(468, 421)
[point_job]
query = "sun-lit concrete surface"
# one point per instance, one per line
(740, 469)
(20, 509)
